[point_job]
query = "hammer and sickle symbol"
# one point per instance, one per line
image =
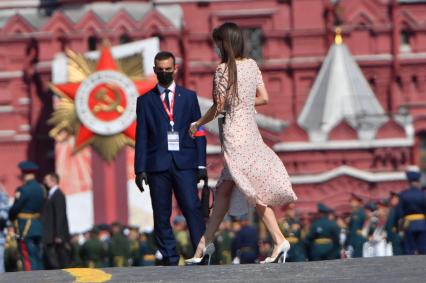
(106, 103)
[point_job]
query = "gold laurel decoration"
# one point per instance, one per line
(132, 66)
(79, 67)
(109, 146)
(64, 118)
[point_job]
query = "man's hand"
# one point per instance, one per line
(193, 128)
(201, 174)
(141, 177)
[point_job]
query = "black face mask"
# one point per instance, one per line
(165, 78)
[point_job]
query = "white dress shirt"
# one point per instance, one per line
(172, 89)
(52, 191)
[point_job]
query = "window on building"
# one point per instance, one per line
(422, 151)
(125, 38)
(405, 39)
(415, 82)
(92, 43)
(63, 42)
(372, 82)
(253, 43)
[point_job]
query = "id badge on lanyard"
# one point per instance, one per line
(173, 141)
(172, 136)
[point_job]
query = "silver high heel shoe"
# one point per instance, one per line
(207, 255)
(282, 254)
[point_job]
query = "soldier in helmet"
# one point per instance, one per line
(25, 214)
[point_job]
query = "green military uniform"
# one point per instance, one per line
(135, 254)
(147, 249)
(75, 254)
(93, 252)
(355, 238)
(183, 245)
(223, 244)
(25, 214)
(323, 237)
(119, 250)
(392, 232)
(291, 229)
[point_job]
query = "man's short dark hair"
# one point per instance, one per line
(164, 55)
(54, 176)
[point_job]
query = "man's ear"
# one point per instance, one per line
(176, 69)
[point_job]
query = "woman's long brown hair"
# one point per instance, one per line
(231, 43)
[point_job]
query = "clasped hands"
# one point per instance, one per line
(193, 128)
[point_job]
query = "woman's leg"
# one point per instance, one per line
(267, 215)
(220, 208)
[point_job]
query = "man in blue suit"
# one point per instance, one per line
(411, 210)
(167, 158)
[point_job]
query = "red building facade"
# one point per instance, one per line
(288, 38)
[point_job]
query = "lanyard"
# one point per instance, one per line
(170, 112)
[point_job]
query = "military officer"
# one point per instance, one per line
(93, 252)
(183, 242)
(323, 237)
(356, 223)
(119, 247)
(25, 214)
(411, 211)
(223, 243)
(245, 245)
(291, 228)
(392, 225)
(4, 213)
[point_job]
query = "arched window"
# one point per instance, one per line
(63, 42)
(422, 151)
(405, 41)
(32, 50)
(125, 38)
(92, 43)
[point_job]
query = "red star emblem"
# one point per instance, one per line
(106, 101)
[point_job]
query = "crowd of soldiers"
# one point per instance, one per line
(392, 226)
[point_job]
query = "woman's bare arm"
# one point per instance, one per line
(209, 115)
(206, 118)
(262, 96)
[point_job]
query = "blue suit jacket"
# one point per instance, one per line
(151, 151)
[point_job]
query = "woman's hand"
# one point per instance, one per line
(193, 128)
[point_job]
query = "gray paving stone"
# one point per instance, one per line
(377, 270)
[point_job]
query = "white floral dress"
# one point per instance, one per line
(259, 174)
